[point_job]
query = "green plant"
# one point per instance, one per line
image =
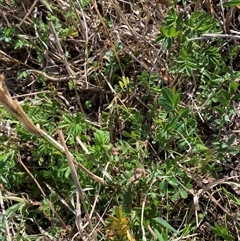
(222, 231)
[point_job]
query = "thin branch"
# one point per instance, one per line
(15, 109)
(76, 181)
(29, 12)
(60, 50)
(108, 35)
(215, 35)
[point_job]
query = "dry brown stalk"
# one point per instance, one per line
(15, 109)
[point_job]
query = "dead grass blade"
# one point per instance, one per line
(15, 109)
(76, 181)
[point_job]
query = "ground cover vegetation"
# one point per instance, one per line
(136, 109)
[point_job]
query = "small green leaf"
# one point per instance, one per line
(8, 32)
(121, 85)
(175, 196)
(183, 193)
(175, 100)
(179, 19)
(126, 134)
(126, 81)
(173, 32)
(165, 224)
(173, 181)
(133, 135)
(183, 112)
(233, 87)
(159, 235)
(236, 97)
(220, 110)
(232, 3)
(167, 100)
(164, 32)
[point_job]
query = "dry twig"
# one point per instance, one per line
(15, 109)
(77, 183)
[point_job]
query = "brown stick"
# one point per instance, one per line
(76, 181)
(15, 109)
